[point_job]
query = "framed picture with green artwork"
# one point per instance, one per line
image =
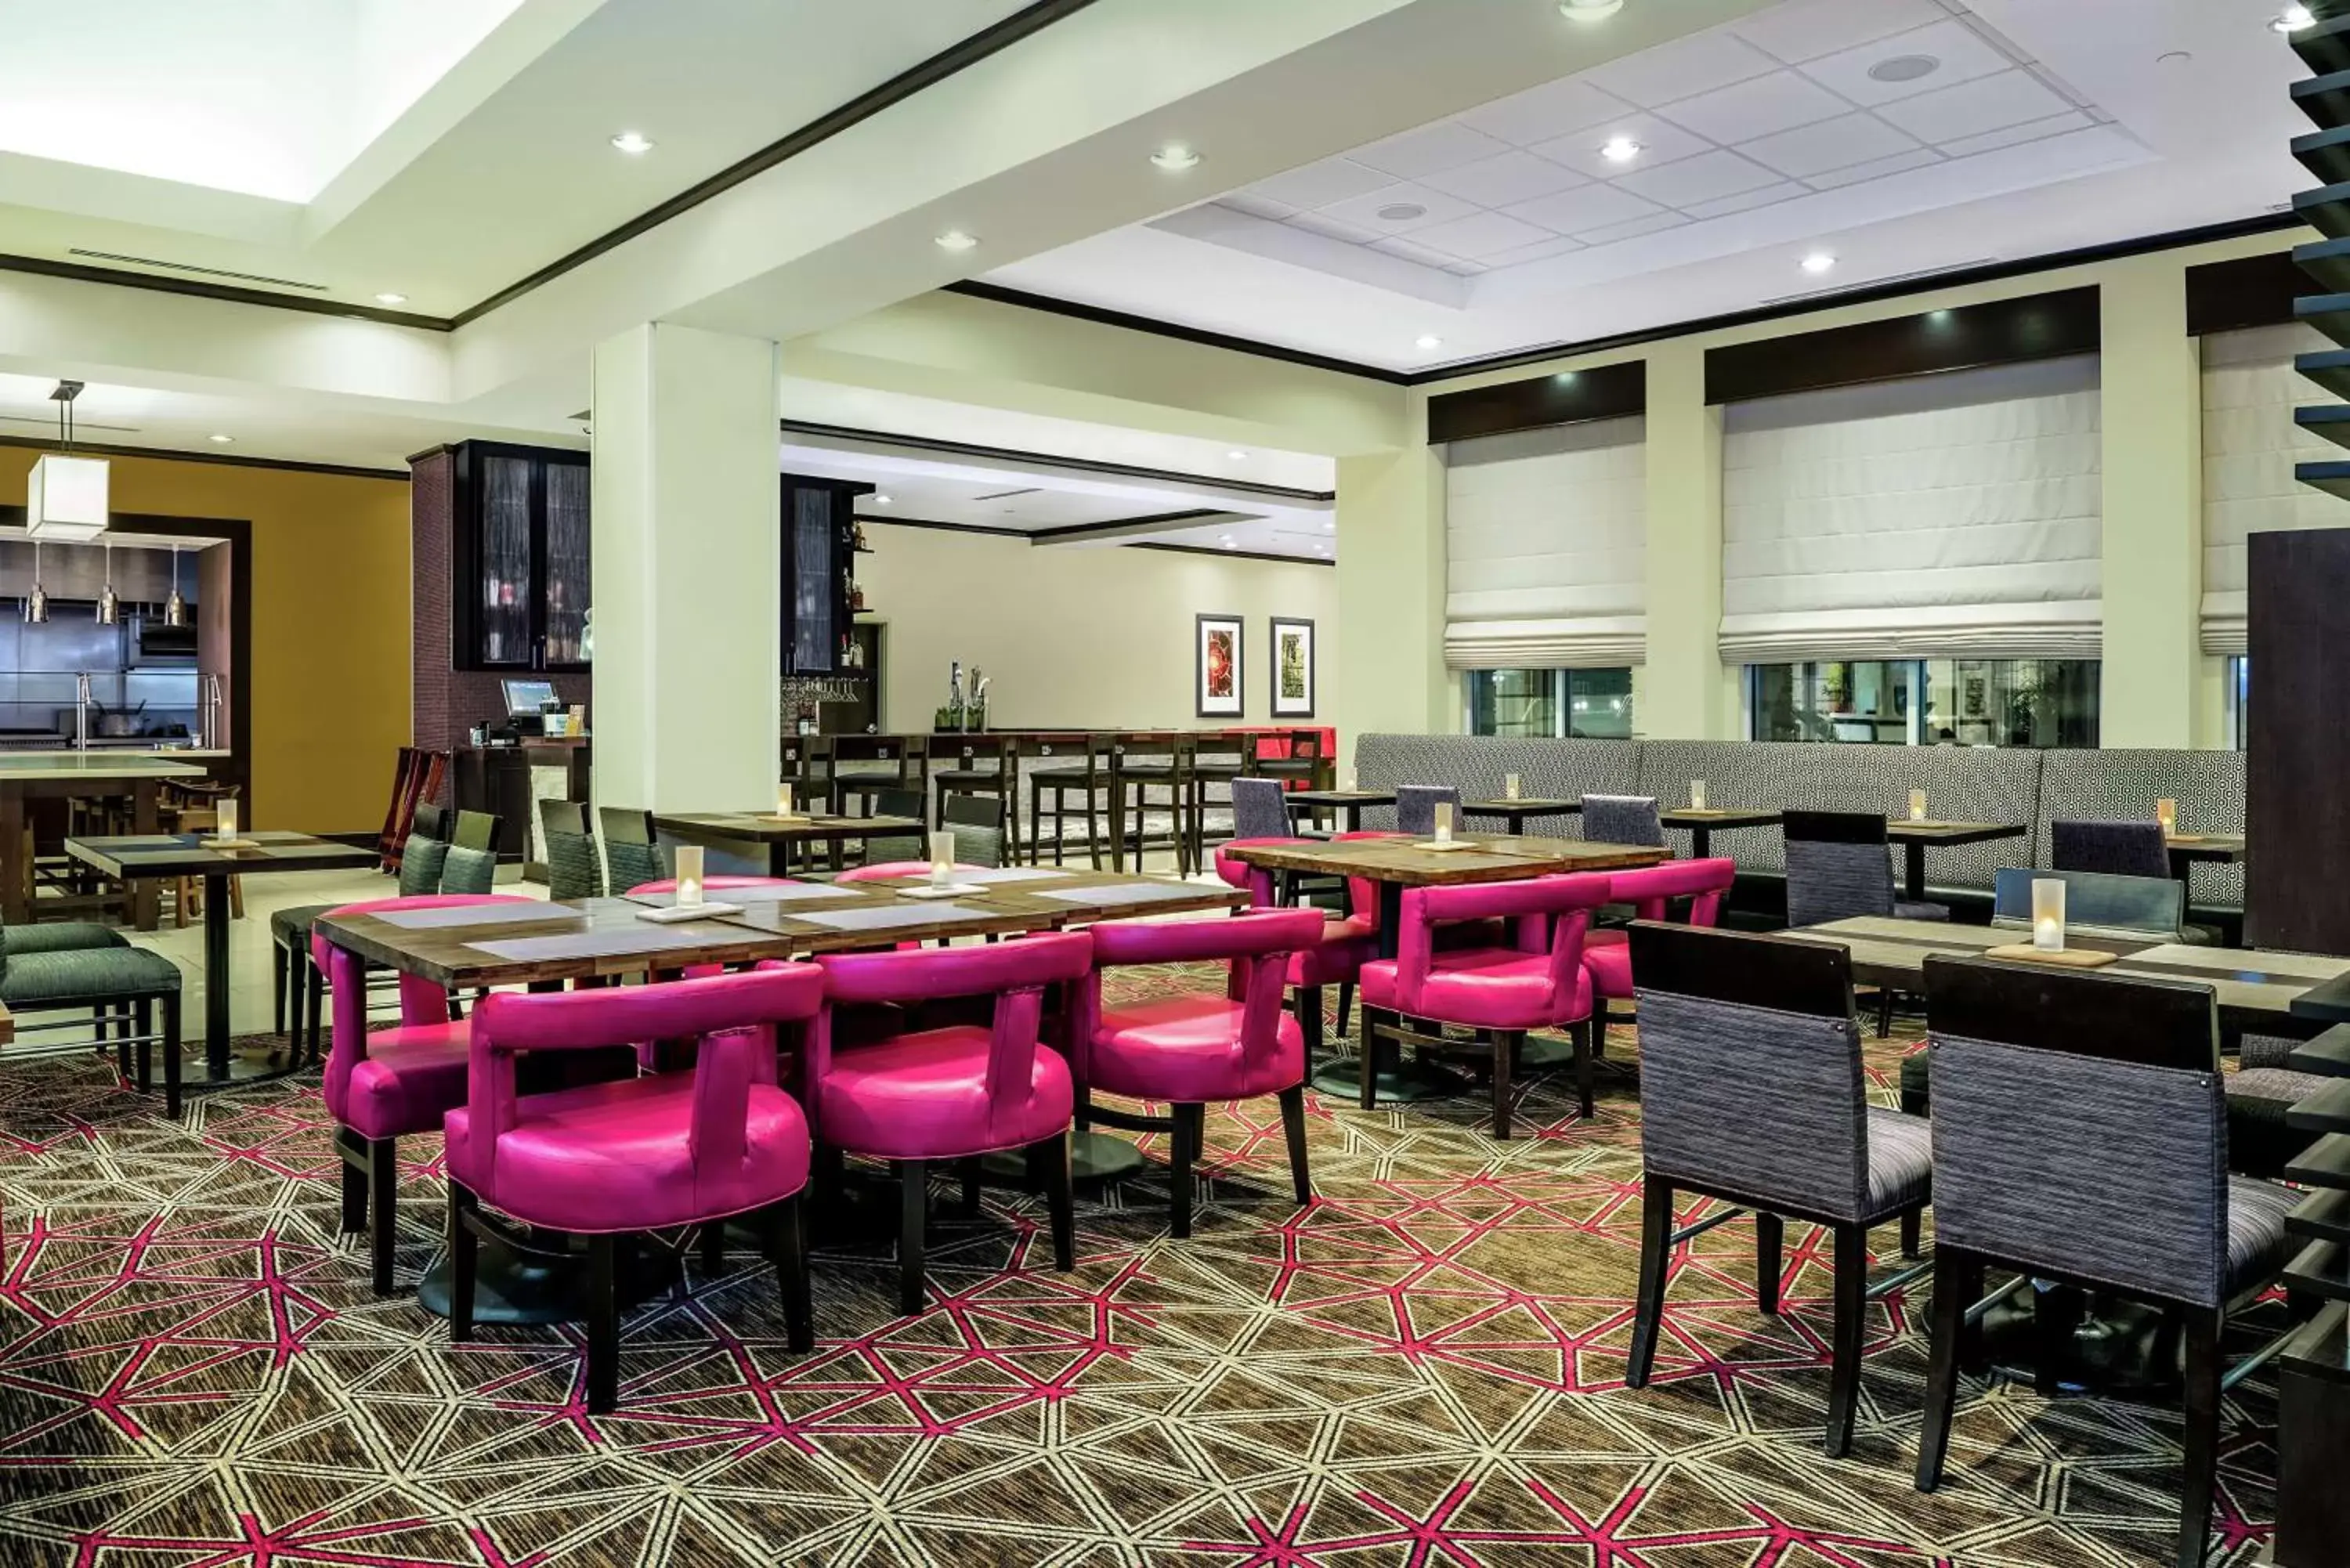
(1293, 668)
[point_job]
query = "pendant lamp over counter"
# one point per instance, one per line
(37, 603)
(175, 608)
(66, 497)
(109, 607)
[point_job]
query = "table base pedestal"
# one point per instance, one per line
(252, 1064)
(513, 1285)
(1409, 1082)
(2120, 1348)
(1094, 1156)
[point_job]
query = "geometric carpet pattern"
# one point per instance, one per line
(1423, 1367)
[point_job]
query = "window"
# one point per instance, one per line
(2240, 694)
(1927, 701)
(1593, 704)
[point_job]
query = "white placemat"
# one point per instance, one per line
(792, 893)
(885, 916)
(1013, 874)
(1124, 893)
(638, 939)
(477, 914)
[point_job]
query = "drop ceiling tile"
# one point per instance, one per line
(1635, 229)
(1875, 168)
(1481, 234)
(1542, 251)
(1807, 29)
(1701, 178)
(1959, 52)
(1330, 228)
(1746, 200)
(1407, 250)
(1498, 181)
(1829, 144)
(1585, 207)
(1987, 103)
(1318, 184)
(1254, 205)
(1780, 101)
(1540, 113)
(2030, 130)
(1435, 207)
(1660, 143)
(1699, 63)
(1430, 149)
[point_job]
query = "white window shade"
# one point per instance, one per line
(2250, 445)
(1948, 516)
(1546, 551)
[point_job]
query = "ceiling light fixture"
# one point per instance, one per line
(1428, 340)
(109, 606)
(1620, 150)
(65, 496)
(633, 142)
(221, 439)
(1237, 456)
(1590, 10)
(1904, 69)
(175, 608)
(37, 603)
(1819, 261)
(1176, 157)
(2292, 19)
(956, 240)
(880, 500)
(1402, 212)
(388, 297)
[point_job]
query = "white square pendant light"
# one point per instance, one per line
(66, 498)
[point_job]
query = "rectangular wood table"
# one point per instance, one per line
(144, 858)
(51, 775)
(1915, 833)
(762, 836)
(1704, 822)
(1348, 804)
(2208, 849)
(1514, 812)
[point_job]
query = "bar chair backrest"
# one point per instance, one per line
(2079, 1124)
(905, 803)
(2118, 848)
(1415, 806)
(1838, 867)
(2095, 903)
(1730, 1022)
(1622, 819)
(977, 822)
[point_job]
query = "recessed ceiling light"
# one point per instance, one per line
(633, 141)
(1228, 545)
(1619, 150)
(1428, 340)
(388, 297)
(1904, 69)
(1402, 212)
(221, 439)
(956, 240)
(880, 500)
(1590, 10)
(1237, 456)
(1330, 526)
(1819, 261)
(2292, 19)
(1176, 156)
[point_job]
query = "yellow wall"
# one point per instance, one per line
(331, 625)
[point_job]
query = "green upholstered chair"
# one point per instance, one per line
(630, 851)
(574, 870)
(58, 936)
(118, 983)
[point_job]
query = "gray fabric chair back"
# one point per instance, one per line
(573, 870)
(2138, 906)
(1258, 810)
(1838, 866)
(977, 822)
(2118, 848)
(1415, 806)
(469, 870)
(630, 856)
(1621, 819)
(897, 851)
(2079, 1124)
(430, 821)
(1749, 1067)
(421, 860)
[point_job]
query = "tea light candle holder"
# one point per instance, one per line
(1346, 780)
(225, 820)
(688, 864)
(783, 800)
(1443, 822)
(1697, 794)
(2166, 812)
(1510, 786)
(2048, 914)
(942, 854)
(1916, 806)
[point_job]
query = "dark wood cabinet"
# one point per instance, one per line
(518, 598)
(819, 573)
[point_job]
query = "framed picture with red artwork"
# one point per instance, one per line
(1219, 679)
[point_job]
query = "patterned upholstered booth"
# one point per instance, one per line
(2208, 786)
(1547, 769)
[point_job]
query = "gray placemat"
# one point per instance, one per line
(1013, 874)
(648, 939)
(794, 893)
(531, 910)
(887, 917)
(1127, 893)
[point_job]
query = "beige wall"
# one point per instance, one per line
(1095, 636)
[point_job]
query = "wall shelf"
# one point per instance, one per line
(2325, 153)
(2325, 47)
(2325, 209)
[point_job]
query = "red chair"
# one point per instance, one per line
(1497, 993)
(675, 1150)
(1189, 1049)
(1348, 941)
(951, 1092)
(1607, 955)
(390, 1084)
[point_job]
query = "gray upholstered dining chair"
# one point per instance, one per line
(574, 870)
(631, 854)
(1731, 1024)
(977, 822)
(2117, 847)
(2080, 1138)
(2095, 903)
(1622, 819)
(1415, 806)
(1840, 868)
(907, 847)
(1259, 811)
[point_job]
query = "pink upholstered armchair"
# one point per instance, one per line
(1607, 955)
(641, 1154)
(388, 1084)
(951, 1092)
(1497, 993)
(1195, 1047)
(1348, 941)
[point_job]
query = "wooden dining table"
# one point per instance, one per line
(1916, 834)
(29, 776)
(1702, 822)
(765, 838)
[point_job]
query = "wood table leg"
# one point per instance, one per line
(216, 1025)
(15, 860)
(1914, 882)
(145, 900)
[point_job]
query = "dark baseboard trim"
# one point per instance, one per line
(1053, 461)
(1231, 555)
(1103, 316)
(173, 454)
(161, 283)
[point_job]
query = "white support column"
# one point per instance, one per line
(688, 571)
(2152, 410)
(1391, 569)
(1685, 693)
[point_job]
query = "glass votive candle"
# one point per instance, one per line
(224, 819)
(1346, 780)
(783, 800)
(1510, 787)
(2166, 812)
(2048, 914)
(1697, 794)
(1916, 806)
(1443, 822)
(943, 853)
(689, 876)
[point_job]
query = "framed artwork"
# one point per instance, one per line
(1293, 668)
(1218, 655)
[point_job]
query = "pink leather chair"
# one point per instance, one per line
(386, 1086)
(640, 1154)
(953, 1093)
(1607, 955)
(1189, 1049)
(1348, 941)
(1498, 993)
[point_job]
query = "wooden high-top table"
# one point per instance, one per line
(52, 775)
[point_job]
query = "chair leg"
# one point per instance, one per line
(318, 989)
(1586, 1068)
(355, 1183)
(1345, 1002)
(297, 981)
(1913, 1234)
(281, 963)
(913, 1209)
(1293, 1128)
(125, 1070)
(1191, 1131)
(465, 1249)
(789, 1225)
(1851, 1315)
(2203, 1434)
(383, 1209)
(171, 1047)
(1309, 1018)
(1770, 1237)
(969, 1170)
(1951, 1300)
(1368, 1061)
(1505, 1046)
(714, 1249)
(1048, 1171)
(1884, 1013)
(1656, 1253)
(603, 1326)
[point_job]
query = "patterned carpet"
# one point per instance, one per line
(1424, 1367)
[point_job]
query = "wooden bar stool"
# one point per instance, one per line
(1174, 776)
(988, 766)
(1216, 761)
(1091, 781)
(1301, 769)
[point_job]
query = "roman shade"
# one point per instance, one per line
(1956, 515)
(2250, 446)
(1546, 555)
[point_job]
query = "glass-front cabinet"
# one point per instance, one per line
(519, 543)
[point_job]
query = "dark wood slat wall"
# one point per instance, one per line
(1566, 398)
(1964, 337)
(2251, 291)
(2297, 793)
